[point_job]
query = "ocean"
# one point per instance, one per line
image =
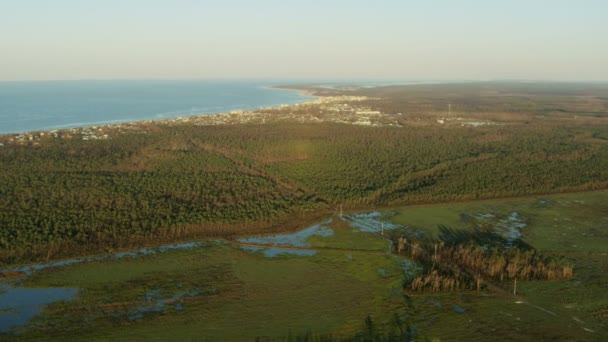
(47, 105)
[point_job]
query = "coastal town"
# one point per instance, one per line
(352, 110)
(340, 109)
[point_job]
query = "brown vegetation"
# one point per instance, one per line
(467, 266)
(11, 275)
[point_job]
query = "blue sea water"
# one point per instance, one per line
(46, 105)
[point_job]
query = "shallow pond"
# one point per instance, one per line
(18, 304)
(272, 252)
(297, 239)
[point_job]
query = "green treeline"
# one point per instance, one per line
(360, 166)
(186, 181)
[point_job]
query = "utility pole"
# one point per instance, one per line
(515, 287)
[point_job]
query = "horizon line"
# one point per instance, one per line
(312, 79)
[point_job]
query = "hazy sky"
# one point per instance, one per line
(343, 39)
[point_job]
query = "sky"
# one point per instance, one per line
(316, 39)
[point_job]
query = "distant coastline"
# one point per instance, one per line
(216, 101)
(310, 93)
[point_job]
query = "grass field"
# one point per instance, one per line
(231, 294)
(573, 225)
(225, 292)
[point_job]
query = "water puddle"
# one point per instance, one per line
(457, 309)
(508, 227)
(157, 303)
(371, 222)
(18, 305)
(272, 252)
(297, 239)
(29, 269)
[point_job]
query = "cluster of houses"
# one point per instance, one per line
(84, 133)
(93, 133)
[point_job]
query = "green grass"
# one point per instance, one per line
(572, 225)
(495, 318)
(344, 237)
(247, 294)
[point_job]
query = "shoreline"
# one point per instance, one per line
(338, 109)
(306, 97)
(301, 92)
